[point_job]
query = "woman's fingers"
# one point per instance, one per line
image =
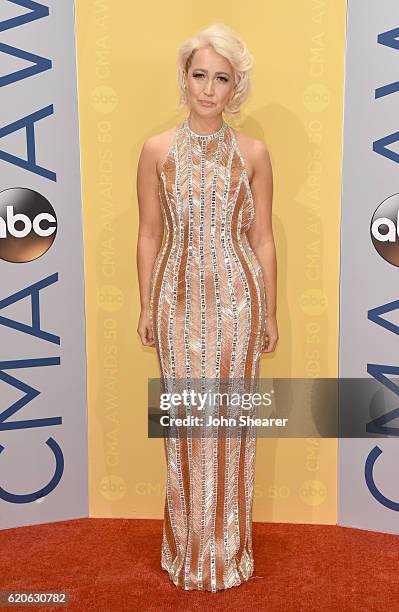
(146, 335)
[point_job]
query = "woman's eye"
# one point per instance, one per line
(197, 75)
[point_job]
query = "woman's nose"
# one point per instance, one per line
(209, 88)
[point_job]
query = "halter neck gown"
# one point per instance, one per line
(208, 314)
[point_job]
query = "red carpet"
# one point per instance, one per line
(114, 565)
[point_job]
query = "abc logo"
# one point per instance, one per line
(384, 229)
(28, 225)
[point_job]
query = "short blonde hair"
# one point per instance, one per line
(223, 40)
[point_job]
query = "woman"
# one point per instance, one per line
(208, 299)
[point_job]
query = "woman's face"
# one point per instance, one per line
(210, 82)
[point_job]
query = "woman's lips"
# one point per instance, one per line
(206, 103)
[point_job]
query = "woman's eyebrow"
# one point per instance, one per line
(204, 70)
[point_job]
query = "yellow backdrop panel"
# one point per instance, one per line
(127, 92)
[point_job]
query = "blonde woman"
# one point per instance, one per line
(207, 272)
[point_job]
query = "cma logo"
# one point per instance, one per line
(384, 229)
(28, 225)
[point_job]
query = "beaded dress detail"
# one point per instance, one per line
(208, 314)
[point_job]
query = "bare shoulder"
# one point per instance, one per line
(156, 147)
(158, 139)
(253, 151)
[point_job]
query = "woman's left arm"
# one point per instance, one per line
(260, 237)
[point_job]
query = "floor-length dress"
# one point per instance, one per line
(208, 313)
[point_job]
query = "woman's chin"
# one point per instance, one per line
(207, 111)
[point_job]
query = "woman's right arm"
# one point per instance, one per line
(150, 232)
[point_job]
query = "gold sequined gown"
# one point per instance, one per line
(208, 313)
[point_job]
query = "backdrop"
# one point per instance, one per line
(127, 92)
(43, 411)
(368, 484)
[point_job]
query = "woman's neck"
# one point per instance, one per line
(204, 127)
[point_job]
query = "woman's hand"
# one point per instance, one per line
(144, 329)
(271, 335)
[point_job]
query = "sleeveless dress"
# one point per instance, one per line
(208, 314)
